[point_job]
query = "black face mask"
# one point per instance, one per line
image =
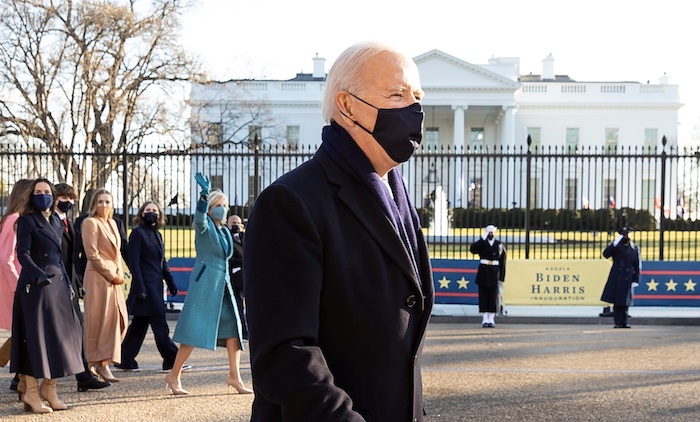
(64, 206)
(398, 130)
(150, 218)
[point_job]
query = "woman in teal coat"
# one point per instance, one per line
(201, 323)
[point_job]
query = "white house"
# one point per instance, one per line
(468, 107)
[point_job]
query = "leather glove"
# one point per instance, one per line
(203, 183)
(44, 280)
(142, 296)
(173, 291)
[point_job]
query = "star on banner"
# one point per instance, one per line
(651, 285)
(671, 285)
(463, 283)
(444, 283)
(689, 285)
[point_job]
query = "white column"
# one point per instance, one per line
(458, 139)
(508, 127)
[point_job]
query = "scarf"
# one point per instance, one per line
(345, 152)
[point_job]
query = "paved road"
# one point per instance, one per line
(514, 372)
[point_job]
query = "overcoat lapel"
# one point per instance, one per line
(47, 229)
(352, 193)
(112, 233)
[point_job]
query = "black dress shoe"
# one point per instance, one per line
(91, 383)
(622, 326)
(14, 383)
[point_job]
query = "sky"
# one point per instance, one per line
(595, 40)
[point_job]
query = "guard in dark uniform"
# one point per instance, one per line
(624, 275)
(491, 273)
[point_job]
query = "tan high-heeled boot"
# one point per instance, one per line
(48, 393)
(21, 387)
(31, 397)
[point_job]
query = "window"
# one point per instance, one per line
(570, 194)
(216, 181)
(534, 192)
(611, 137)
(293, 135)
(609, 188)
(474, 193)
(432, 139)
(648, 190)
(571, 140)
(651, 137)
(213, 134)
(535, 134)
(476, 138)
(254, 136)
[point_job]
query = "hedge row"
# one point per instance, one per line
(562, 219)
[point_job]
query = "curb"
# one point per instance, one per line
(534, 320)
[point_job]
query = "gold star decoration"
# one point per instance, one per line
(463, 283)
(689, 285)
(444, 283)
(651, 285)
(671, 285)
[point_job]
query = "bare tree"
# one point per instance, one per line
(85, 79)
(225, 115)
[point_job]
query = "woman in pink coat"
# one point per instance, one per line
(9, 265)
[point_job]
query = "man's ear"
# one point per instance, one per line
(343, 101)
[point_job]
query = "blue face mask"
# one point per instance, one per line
(397, 130)
(42, 201)
(218, 213)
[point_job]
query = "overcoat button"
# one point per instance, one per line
(411, 301)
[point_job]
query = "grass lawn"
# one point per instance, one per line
(678, 246)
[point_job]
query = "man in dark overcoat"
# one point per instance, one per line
(337, 276)
(624, 275)
(491, 273)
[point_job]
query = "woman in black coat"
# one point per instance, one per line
(145, 301)
(46, 332)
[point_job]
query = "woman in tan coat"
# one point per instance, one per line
(105, 307)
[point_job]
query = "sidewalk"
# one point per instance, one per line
(644, 315)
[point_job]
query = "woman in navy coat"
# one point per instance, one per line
(145, 301)
(46, 332)
(209, 315)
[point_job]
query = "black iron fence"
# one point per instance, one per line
(550, 203)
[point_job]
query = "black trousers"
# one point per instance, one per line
(488, 298)
(137, 333)
(620, 314)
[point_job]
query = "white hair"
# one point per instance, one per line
(214, 196)
(346, 72)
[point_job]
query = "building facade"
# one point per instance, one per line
(469, 109)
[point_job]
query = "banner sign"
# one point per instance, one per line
(668, 283)
(568, 282)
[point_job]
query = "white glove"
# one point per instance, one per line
(618, 239)
(635, 284)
